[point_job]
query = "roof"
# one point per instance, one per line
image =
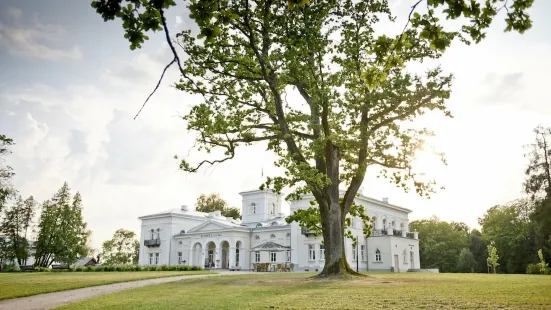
(271, 246)
(83, 261)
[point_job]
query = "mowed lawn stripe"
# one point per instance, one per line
(23, 284)
(297, 291)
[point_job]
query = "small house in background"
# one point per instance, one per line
(85, 262)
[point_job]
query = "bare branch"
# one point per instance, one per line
(156, 87)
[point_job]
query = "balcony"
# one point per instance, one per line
(152, 242)
(307, 232)
(394, 232)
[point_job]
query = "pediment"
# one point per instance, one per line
(209, 226)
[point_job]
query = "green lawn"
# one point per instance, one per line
(296, 291)
(32, 283)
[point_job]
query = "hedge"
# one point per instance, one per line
(110, 268)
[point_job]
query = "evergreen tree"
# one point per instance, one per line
(62, 234)
(466, 261)
(15, 227)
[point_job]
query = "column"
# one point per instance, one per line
(231, 257)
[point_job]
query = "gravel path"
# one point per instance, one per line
(57, 299)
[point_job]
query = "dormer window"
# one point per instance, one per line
(182, 231)
(274, 223)
(256, 237)
(259, 225)
(272, 236)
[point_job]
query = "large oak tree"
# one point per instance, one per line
(357, 97)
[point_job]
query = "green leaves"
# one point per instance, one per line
(138, 16)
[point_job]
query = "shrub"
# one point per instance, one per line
(195, 268)
(173, 267)
(533, 269)
(43, 269)
(89, 268)
(164, 267)
(100, 268)
(79, 269)
(152, 268)
(9, 268)
(119, 268)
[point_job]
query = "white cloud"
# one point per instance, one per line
(35, 40)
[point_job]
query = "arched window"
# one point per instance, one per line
(237, 246)
(374, 220)
(393, 224)
(256, 237)
(377, 255)
(152, 234)
(182, 231)
(384, 223)
(259, 225)
(272, 236)
(253, 208)
(402, 226)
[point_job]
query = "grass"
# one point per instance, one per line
(297, 291)
(32, 283)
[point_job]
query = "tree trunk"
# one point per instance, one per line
(333, 239)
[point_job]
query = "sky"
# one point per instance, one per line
(70, 87)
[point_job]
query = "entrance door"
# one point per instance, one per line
(396, 263)
(411, 260)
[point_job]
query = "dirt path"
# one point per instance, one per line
(57, 299)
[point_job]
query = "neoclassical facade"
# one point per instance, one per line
(185, 236)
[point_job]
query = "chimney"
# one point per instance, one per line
(184, 208)
(385, 200)
(217, 213)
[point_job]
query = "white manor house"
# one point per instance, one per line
(184, 236)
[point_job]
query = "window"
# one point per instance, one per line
(259, 225)
(393, 224)
(152, 234)
(272, 211)
(256, 237)
(257, 257)
(179, 258)
(253, 208)
(378, 255)
(384, 223)
(274, 223)
(405, 257)
(322, 251)
(157, 258)
(354, 256)
(237, 257)
(151, 258)
(158, 233)
(211, 256)
(288, 235)
(288, 255)
(311, 252)
(402, 226)
(374, 220)
(272, 236)
(362, 252)
(273, 256)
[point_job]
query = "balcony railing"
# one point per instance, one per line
(152, 242)
(394, 232)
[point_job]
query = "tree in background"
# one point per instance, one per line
(6, 172)
(493, 258)
(15, 227)
(440, 242)
(213, 202)
(479, 249)
(508, 227)
(62, 232)
(121, 249)
(543, 266)
(538, 186)
(466, 261)
(358, 98)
